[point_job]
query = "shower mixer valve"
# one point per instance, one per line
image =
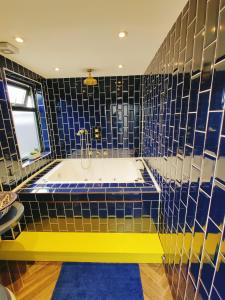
(96, 133)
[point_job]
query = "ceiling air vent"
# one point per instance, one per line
(7, 48)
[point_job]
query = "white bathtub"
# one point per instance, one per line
(95, 170)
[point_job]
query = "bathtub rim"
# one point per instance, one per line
(17, 188)
(45, 178)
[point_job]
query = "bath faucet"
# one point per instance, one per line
(90, 153)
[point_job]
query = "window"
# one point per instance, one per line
(25, 118)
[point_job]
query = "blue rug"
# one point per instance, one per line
(96, 281)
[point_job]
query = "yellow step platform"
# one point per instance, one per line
(84, 247)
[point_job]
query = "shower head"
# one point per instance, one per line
(90, 80)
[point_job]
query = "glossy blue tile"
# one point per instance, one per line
(194, 184)
(211, 21)
(111, 209)
(208, 168)
(198, 148)
(194, 270)
(114, 197)
(137, 213)
(129, 209)
(120, 213)
(86, 213)
(220, 51)
(215, 295)
(61, 190)
(85, 205)
(132, 196)
(146, 208)
(202, 291)
(207, 273)
(220, 175)
(120, 205)
(97, 197)
(79, 197)
(76, 190)
(202, 209)
(198, 48)
(94, 209)
(64, 196)
(217, 207)
(2, 90)
(207, 70)
(102, 205)
(23, 196)
(149, 196)
(218, 88)
(191, 210)
(213, 130)
(77, 209)
(203, 104)
(193, 100)
(190, 129)
(219, 277)
(133, 189)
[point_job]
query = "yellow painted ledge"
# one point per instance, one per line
(84, 247)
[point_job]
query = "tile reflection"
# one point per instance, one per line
(213, 132)
(185, 149)
(220, 51)
(211, 21)
(220, 172)
(197, 56)
(207, 173)
(207, 70)
(201, 14)
(218, 88)
(217, 209)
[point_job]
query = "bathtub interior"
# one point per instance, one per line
(106, 170)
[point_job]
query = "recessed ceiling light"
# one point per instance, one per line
(19, 40)
(122, 34)
(120, 66)
(56, 69)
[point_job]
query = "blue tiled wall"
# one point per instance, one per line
(9, 154)
(114, 105)
(184, 142)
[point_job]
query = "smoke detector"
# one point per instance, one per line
(7, 48)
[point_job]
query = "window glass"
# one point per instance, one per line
(25, 118)
(30, 101)
(17, 95)
(26, 132)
